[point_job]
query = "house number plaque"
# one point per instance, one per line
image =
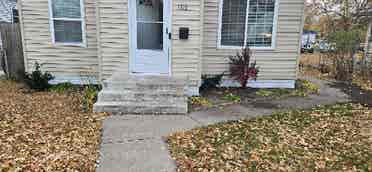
(183, 7)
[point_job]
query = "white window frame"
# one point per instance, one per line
(81, 19)
(274, 32)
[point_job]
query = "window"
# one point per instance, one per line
(247, 23)
(67, 21)
(15, 15)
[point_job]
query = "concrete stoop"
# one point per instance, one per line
(137, 94)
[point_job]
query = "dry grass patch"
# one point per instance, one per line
(46, 131)
(332, 138)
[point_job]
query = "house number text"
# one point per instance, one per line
(183, 7)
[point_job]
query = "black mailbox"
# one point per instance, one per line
(184, 33)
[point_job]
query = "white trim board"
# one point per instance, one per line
(261, 83)
(73, 80)
(190, 90)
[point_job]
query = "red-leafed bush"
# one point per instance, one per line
(241, 68)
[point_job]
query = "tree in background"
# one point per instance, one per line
(345, 14)
(344, 49)
(343, 23)
(311, 18)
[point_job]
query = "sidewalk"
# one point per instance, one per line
(133, 143)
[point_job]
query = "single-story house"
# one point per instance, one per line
(7, 10)
(173, 38)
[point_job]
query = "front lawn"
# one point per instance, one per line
(331, 138)
(46, 131)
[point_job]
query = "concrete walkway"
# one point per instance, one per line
(133, 143)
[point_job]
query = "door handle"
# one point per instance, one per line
(170, 36)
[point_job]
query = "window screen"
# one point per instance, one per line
(233, 22)
(67, 21)
(67, 31)
(247, 23)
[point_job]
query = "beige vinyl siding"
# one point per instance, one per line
(186, 53)
(62, 61)
(113, 36)
(276, 64)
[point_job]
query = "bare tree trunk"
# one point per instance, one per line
(367, 44)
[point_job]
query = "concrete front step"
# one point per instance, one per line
(163, 97)
(122, 77)
(150, 82)
(135, 108)
(115, 86)
(143, 95)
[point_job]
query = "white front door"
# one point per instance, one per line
(149, 36)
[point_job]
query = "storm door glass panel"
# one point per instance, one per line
(260, 23)
(150, 24)
(233, 22)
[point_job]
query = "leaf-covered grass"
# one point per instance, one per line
(331, 138)
(46, 131)
(363, 82)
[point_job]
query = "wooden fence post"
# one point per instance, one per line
(12, 46)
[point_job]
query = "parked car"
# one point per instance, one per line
(307, 48)
(323, 46)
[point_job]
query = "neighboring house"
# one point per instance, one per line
(8, 12)
(178, 38)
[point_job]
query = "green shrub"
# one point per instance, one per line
(38, 80)
(233, 98)
(62, 87)
(307, 86)
(345, 45)
(90, 94)
(211, 81)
